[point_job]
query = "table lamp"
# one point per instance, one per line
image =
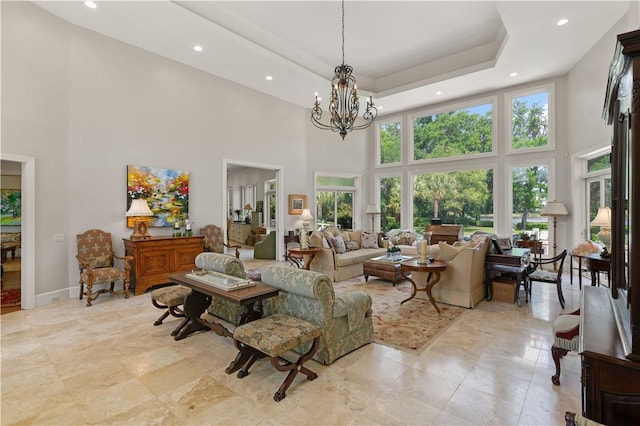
(139, 210)
(554, 209)
(373, 210)
(304, 236)
(603, 220)
(248, 208)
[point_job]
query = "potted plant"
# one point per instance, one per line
(393, 253)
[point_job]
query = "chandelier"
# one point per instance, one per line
(343, 103)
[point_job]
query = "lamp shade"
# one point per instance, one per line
(554, 208)
(603, 218)
(248, 207)
(139, 207)
(372, 209)
(298, 224)
(306, 215)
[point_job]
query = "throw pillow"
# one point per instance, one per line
(447, 252)
(352, 245)
(315, 239)
(105, 261)
(338, 245)
(325, 243)
(369, 240)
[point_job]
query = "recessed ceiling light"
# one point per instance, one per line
(513, 74)
(438, 93)
(269, 77)
(562, 22)
(90, 4)
(197, 48)
(380, 107)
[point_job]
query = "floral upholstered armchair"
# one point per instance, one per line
(96, 262)
(224, 264)
(346, 321)
(214, 240)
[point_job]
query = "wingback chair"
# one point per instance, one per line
(96, 262)
(214, 240)
(266, 249)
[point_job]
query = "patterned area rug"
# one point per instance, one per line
(10, 297)
(410, 327)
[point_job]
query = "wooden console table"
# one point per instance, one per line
(158, 257)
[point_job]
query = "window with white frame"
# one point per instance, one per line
(389, 142)
(529, 190)
(456, 131)
(463, 197)
(530, 118)
(390, 202)
(336, 197)
(598, 188)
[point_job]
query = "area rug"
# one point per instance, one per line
(10, 297)
(410, 327)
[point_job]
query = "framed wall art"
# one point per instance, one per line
(297, 203)
(166, 192)
(11, 207)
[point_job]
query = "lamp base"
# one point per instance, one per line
(604, 236)
(140, 229)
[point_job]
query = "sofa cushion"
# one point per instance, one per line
(448, 252)
(404, 237)
(352, 245)
(357, 256)
(338, 244)
(369, 240)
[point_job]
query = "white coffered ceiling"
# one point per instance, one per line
(402, 52)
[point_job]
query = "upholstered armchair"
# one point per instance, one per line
(214, 240)
(96, 262)
(224, 264)
(462, 283)
(346, 321)
(266, 249)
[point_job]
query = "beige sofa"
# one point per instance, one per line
(341, 266)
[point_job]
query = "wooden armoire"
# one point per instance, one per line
(610, 317)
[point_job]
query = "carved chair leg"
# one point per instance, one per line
(89, 294)
(182, 325)
(81, 290)
(293, 369)
(162, 318)
(557, 353)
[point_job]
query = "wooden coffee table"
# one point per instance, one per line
(383, 268)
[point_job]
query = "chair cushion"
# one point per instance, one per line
(171, 296)
(542, 275)
(276, 334)
(104, 275)
(562, 324)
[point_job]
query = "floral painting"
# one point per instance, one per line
(166, 192)
(11, 207)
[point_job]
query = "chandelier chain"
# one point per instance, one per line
(343, 32)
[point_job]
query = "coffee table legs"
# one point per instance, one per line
(432, 280)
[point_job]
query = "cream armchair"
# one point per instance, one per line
(462, 283)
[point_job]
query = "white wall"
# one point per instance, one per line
(587, 82)
(85, 106)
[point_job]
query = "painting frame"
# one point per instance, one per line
(165, 190)
(11, 211)
(297, 203)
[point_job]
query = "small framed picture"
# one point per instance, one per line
(297, 203)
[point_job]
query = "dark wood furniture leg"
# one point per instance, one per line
(557, 354)
(195, 305)
(432, 279)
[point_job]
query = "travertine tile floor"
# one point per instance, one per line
(69, 364)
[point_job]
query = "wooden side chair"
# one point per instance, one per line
(214, 240)
(566, 336)
(536, 273)
(96, 262)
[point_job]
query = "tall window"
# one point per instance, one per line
(389, 137)
(335, 201)
(529, 186)
(462, 197)
(530, 119)
(390, 202)
(464, 131)
(598, 184)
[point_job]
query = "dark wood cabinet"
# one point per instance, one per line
(610, 318)
(156, 258)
